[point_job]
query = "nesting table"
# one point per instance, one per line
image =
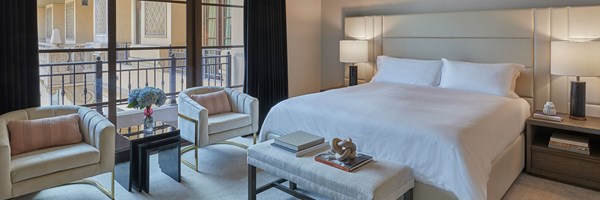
(132, 168)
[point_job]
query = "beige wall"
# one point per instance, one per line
(334, 11)
(58, 18)
(124, 16)
(304, 46)
(41, 24)
(84, 17)
(178, 24)
(162, 41)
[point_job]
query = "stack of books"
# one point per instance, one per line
(300, 143)
(541, 115)
(350, 165)
(572, 143)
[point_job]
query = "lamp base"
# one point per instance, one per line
(353, 75)
(578, 118)
(577, 100)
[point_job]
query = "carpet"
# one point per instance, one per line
(223, 176)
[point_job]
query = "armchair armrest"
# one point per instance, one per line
(5, 182)
(246, 104)
(105, 142)
(192, 120)
(100, 133)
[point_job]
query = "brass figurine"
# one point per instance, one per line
(344, 149)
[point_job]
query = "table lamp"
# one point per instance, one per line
(576, 59)
(354, 51)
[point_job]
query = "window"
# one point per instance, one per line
(150, 46)
(74, 70)
(222, 42)
(70, 22)
(48, 26)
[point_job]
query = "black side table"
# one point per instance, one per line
(133, 169)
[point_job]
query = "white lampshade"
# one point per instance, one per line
(55, 37)
(575, 58)
(354, 51)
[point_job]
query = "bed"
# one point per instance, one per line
(449, 137)
(461, 145)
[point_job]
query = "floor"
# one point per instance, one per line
(223, 175)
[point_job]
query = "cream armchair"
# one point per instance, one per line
(33, 171)
(198, 127)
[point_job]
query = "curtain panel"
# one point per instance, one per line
(19, 71)
(266, 73)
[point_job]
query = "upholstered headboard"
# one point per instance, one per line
(496, 36)
(521, 36)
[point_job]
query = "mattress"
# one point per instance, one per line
(449, 137)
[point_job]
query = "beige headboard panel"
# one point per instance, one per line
(495, 36)
(521, 36)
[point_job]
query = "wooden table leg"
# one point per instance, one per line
(251, 182)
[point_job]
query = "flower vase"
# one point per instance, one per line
(148, 120)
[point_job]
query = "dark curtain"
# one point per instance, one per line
(265, 45)
(19, 81)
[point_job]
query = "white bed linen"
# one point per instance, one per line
(449, 137)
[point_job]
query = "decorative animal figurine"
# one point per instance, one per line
(549, 108)
(344, 149)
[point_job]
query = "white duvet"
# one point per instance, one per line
(449, 137)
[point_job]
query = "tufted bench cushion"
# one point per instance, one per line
(376, 180)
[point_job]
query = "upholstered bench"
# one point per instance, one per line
(376, 180)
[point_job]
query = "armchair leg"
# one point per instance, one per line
(112, 184)
(110, 193)
(193, 146)
(243, 146)
(187, 163)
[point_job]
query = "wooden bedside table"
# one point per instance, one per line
(573, 168)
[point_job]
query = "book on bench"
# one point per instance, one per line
(350, 165)
(298, 141)
(321, 146)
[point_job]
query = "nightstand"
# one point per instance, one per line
(573, 168)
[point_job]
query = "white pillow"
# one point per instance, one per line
(496, 79)
(408, 71)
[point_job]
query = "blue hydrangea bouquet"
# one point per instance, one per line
(144, 98)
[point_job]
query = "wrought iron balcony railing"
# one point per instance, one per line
(86, 82)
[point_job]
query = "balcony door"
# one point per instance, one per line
(88, 56)
(93, 53)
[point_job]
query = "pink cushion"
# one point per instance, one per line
(31, 135)
(214, 102)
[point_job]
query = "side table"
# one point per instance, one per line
(134, 169)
